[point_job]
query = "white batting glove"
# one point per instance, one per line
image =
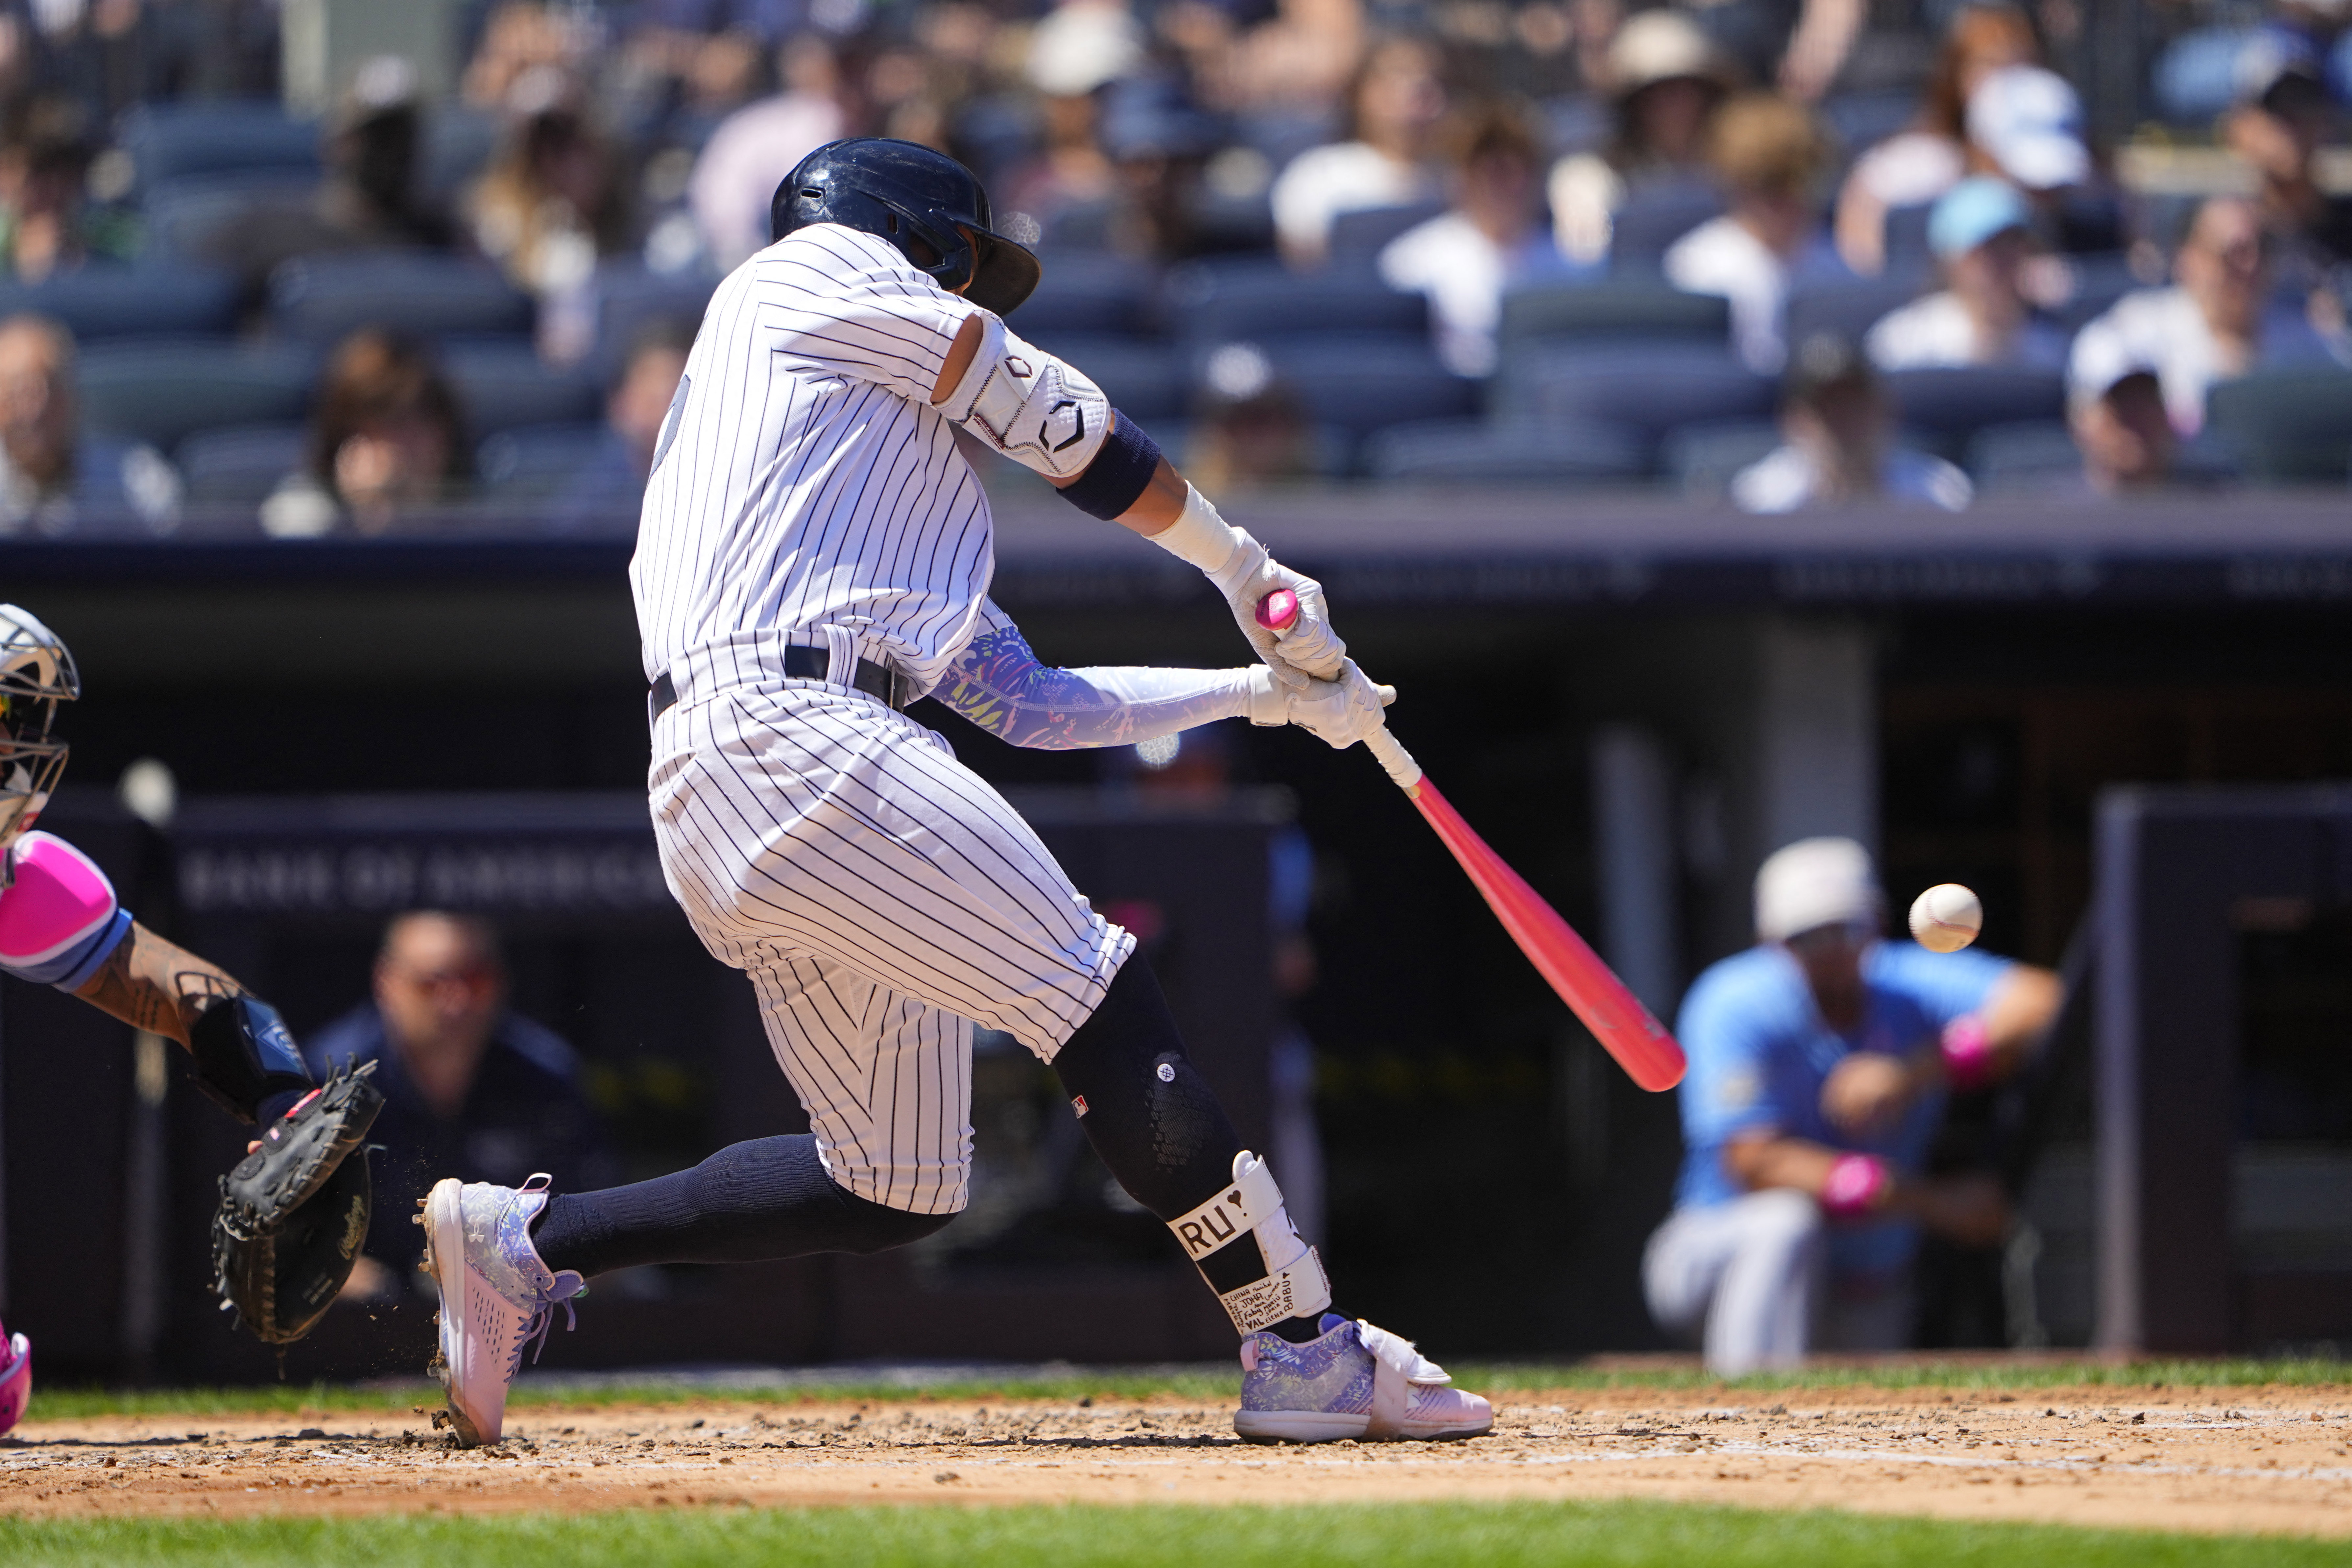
(1244, 573)
(1343, 711)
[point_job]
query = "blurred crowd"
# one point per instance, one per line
(1789, 252)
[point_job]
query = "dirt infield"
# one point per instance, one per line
(2212, 1460)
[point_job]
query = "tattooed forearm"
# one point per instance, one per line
(151, 985)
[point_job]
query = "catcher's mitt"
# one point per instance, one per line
(294, 1212)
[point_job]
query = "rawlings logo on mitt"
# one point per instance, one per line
(294, 1212)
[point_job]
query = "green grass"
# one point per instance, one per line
(1604, 1534)
(1208, 1384)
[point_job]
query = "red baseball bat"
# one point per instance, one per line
(1642, 1044)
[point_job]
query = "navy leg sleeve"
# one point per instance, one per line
(766, 1198)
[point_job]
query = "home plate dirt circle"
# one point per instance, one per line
(2265, 1459)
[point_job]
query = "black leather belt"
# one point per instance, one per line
(801, 663)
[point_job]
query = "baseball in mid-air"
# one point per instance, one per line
(1947, 918)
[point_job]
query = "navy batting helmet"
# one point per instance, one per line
(921, 201)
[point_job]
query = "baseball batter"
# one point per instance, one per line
(61, 925)
(815, 554)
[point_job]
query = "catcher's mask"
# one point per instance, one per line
(36, 673)
(925, 203)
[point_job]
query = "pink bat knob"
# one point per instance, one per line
(1278, 610)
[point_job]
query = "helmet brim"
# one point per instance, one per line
(1004, 272)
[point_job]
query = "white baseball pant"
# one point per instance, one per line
(883, 897)
(1751, 1274)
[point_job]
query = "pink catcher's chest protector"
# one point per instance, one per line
(16, 1378)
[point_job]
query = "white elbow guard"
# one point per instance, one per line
(1029, 406)
(1294, 1284)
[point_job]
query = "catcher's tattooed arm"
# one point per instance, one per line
(151, 985)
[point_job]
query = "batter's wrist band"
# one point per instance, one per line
(1967, 1050)
(1856, 1184)
(1120, 473)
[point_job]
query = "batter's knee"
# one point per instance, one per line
(870, 1227)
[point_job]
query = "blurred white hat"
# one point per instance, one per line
(1661, 45)
(2103, 356)
(2030, 122)
(1814, 882)
(1083, 45)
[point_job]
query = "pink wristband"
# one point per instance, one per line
(1854, 1185)
(1968, 1052)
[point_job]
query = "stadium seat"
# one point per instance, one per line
(1144, 378)
(1860, 120)
(1612, 311)
(2286, 426)
(239, 464)
(1363, 384)
(1942, 409)
(2032, 455)
(1506, 452)
(1088, 293)
(169, 141)
(198, 216)
(99, 302)
(1907, 252)
(2100, 279)
(1653, 218)
(320, 299)
(163, 391)
(504, 385)
(631, 297)
(1653, 388)
(1700, 460)
(1357, 236)
(1847, 310)
(536, 459)
(1263, 301)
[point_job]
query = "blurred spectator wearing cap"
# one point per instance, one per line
(733, 187)
(2116, 411)
(1916, 165)
(1769, 154)
(470, 1087)
(386, 436)
(54, 478)
(1394, 106)
(1463, 259)
(610, 484)
(1249, 429)
(1666, 81)
(1980, 232)
(1821, 1062)
(2278, 132)
(2027, 123)
(1837, 449)
(2217, 322)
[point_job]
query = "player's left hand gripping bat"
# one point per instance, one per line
(1615, 1015)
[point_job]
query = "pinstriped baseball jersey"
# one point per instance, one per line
(880, 895)
(803, 478)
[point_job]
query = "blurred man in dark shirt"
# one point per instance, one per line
(469, 1087)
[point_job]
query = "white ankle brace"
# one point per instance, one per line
(1295, 1285)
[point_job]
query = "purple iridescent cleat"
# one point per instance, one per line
(1356, 1381)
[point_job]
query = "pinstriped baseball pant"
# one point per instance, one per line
(883, 897)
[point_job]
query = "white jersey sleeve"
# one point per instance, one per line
(998, 684)
(861, 310)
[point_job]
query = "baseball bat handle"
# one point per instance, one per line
(1402, 768)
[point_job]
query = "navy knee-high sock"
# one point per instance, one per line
(1153, 1120)
(767, 1198)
